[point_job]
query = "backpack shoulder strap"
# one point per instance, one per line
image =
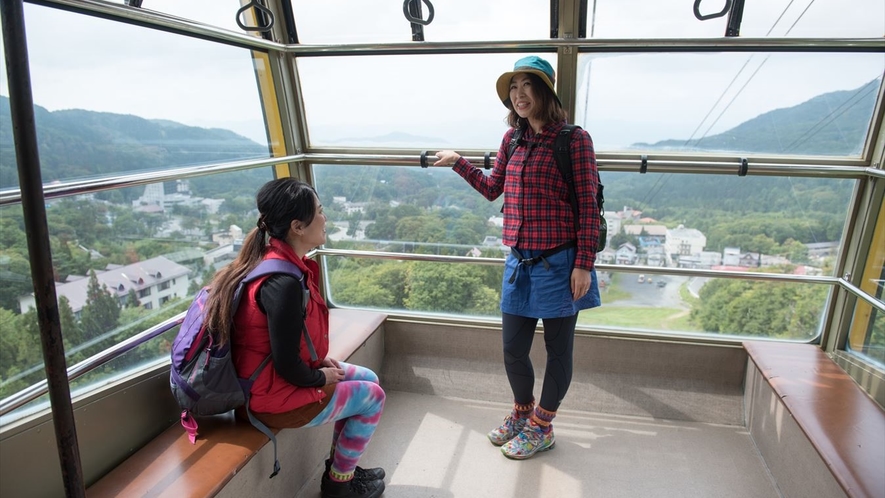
(563, 154)
(267, 267)
(514, 142)
(271, 266)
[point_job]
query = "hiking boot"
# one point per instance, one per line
(373, 474)
(531, 440)
(353, 488)
(508, 430)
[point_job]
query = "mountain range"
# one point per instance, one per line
(77, 143)
(830, 124)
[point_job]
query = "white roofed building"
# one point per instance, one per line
(154, 281)
(685, 241)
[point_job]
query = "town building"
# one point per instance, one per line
(155, 281)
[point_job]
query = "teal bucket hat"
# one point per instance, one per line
(531, 64)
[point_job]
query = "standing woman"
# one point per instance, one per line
(549, 273)
(292, 390)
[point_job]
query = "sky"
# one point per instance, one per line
(87, 63)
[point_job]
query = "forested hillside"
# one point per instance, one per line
(831, 124)
(79, 144)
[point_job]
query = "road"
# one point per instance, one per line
(649, 294)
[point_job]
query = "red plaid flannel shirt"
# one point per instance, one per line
(537, 212)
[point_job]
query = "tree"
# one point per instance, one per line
(765, 309)
(384, 228)
(449, 288)
(70, 329)
(353, 221)
(795, 251)
(132, 299)
(20, 351)
(12, 236)
(101, 312)
(9, 341)
(621, 238)
(15, 275)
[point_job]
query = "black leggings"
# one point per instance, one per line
(559, 338)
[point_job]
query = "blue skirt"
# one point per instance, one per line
(541, 292)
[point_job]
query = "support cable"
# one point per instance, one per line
(650, 195)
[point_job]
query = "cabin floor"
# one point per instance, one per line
(434, 446)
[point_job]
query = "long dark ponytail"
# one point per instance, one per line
(279, 203)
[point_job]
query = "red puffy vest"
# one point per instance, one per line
(251, 340)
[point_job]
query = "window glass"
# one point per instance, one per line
(775, 18)
(382, 101)
(867, 336)
(344, 21)
(790, 104)
(434, 211)
(115, 99)
(219, 13)
(770, 224)
(21, 359)
(124, 261)
(716, 306)
(151, 352)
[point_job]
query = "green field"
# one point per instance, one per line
(673, 319)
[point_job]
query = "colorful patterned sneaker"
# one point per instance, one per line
(508, 430)
(530, 441)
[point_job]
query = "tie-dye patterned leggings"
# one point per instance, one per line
(356, 409)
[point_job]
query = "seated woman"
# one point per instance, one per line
(292, 390)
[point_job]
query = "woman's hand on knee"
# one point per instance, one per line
(333, 375)
(330, 362)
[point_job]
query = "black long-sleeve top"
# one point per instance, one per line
(280, 298)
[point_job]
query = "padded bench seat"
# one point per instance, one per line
(839, 419)
(171, 466)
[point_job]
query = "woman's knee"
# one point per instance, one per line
(356, 372)
(377, 392)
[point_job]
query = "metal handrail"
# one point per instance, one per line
(655, 270)
(162, 21)
(33, 392)
(704, 164)
(77, 187)
(612, 45)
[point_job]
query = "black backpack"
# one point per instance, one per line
(563, 156)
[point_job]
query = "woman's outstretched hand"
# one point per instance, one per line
(446, 158)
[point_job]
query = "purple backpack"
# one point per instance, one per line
(202, 375)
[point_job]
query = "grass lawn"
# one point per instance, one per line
(637, 317)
